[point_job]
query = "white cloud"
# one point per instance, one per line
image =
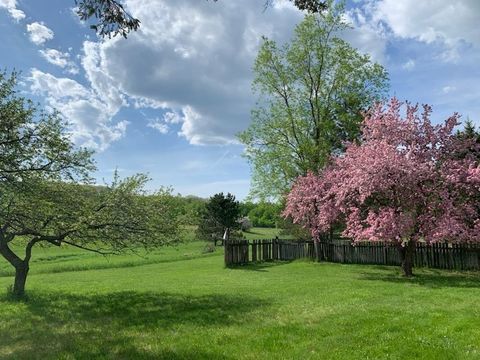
(409, 65)
(39, 33)
(368, 36)
(172, 117)
(454, 24)
(60, 59)
(192, 60)
(11, 7)
(97, 74)
(87, 112)
(448, 89)
(158, 125)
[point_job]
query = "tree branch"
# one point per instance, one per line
(104, 253)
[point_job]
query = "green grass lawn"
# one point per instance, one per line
(178, 303)
(263, 233)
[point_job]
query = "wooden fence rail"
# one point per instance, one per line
(438, 255)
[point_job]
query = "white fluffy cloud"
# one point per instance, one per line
(192, 61)
(39, 33)
(432, 20)
(368, 36)
(87, 112)
(451, 23)
(11, 7)
(61, 59)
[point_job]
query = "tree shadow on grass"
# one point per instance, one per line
(431, 278)
(261, 266)
(116, 325)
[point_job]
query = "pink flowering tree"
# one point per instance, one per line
(406, 181)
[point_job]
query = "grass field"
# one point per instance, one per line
(263, 233)
(179, 303)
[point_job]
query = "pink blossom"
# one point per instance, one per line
(403, 182)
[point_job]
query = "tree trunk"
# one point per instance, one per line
(21, 273)
(21, 266)
(407, 253)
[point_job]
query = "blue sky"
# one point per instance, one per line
(169, 100)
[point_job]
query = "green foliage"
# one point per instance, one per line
(293, 230)
(246, 207)
(221, 214)
(312, 92)
(469, 131)
(190, 209)
(112, 18)
(265, 214)
(471, 135)
(33, 142)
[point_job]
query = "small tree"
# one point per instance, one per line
(106, 220)
(219, 218)
(403, 184)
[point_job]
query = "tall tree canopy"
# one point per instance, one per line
(404, 183)
(45, 196)
(312, 93)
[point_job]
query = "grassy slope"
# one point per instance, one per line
(196, 309)
(262, 233)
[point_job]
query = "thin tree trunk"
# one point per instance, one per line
(407, 253)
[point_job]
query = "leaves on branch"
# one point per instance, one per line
(112, 18)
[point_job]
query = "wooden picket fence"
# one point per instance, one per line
(438, 255)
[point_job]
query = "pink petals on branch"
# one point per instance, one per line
(406, 180)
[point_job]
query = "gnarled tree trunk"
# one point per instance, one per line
(407, 253)
(21, 266)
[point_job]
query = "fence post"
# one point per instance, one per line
(226, 253)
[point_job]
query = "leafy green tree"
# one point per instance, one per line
(45, 197)
(246, 207)
(469, 131)
(33, 142)
(470, 137)
(219, 218)
(312, 93)
(190, 209)
(265, 214)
